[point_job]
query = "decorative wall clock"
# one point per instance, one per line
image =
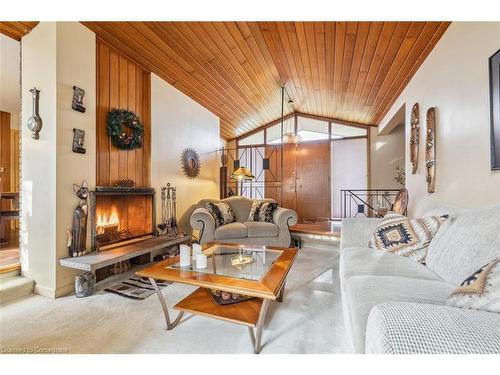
(190, 162)
(34, 121)
(414, 138)
(430, 150)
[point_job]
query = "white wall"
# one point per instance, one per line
(76, 66)
(56, 56)
(347, 172)
(38, 224)
(10, 93)
(179, 122)
(454, 79)
(387, 152)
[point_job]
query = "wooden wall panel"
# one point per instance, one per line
(122, 83)
(5, 151)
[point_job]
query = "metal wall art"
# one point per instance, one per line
(34, 121)
(77, 236)
(190, 162)
(78, 140)
(77, 103)
(414, 138)
(430, 150)
(495, 110)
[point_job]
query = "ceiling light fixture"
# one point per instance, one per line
(290, 137)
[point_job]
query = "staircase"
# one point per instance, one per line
(14, 286)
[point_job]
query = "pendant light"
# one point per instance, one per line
(289, 135)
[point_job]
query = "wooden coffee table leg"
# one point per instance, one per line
(255, 335)
(281, 293)
(170, 325)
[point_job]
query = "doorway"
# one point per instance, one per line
(10, 115)
(306, 179)
(9, 194)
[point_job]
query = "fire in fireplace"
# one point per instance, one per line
(108, 227)
(121, 214)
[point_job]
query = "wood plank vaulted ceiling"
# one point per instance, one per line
(350, 71)
(16, 30)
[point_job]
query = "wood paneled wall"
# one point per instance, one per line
(122, 83)
(5, 151)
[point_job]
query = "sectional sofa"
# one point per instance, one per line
(393, 304)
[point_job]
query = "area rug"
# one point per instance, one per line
(136, 287)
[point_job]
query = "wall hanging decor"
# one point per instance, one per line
(414, 137)
(77, 236)
(34, 121)
(495, 110)
(77, 103)
(78, 140)
(430, 150)
(125, 129)
(190, 162)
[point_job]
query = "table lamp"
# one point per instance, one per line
(242, 174)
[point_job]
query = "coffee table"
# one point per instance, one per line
(264, 278)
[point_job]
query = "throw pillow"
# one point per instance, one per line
(407, 237)
(480, 291)
(221, 212)
(262, 211)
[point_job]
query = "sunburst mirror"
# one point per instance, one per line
(190, 162)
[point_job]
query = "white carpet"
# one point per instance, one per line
(308, 321)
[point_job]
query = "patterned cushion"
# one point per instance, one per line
(480, 291)
(262, 211)
(406, 237)
(221, 212)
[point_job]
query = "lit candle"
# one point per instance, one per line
(201, 261)
(185, 255)
(197, 249)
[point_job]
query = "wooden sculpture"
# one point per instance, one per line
(430, 150)
(414, 138)
(78, 235)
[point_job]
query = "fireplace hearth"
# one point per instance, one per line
(121, 215)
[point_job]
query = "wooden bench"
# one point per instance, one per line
(100, 259)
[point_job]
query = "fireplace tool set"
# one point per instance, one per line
(168, 225)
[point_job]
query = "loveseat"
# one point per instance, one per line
(242, 230)
(393, 304)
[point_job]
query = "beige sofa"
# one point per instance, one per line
(393, 304)
(243, 231)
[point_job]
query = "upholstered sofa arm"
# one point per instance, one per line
(284, 217)
(417, 328)
(356, 232)
(203, 221)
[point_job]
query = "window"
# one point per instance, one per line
(340, 131)
(273, 133)
(311, 129)
(254, 139)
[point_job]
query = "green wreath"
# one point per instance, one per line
(118, 121)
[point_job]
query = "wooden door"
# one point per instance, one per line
(313, 179)
(5, 169)
(289, 175)
(5, 152)
(306, 179)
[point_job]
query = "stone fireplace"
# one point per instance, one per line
(120, 215)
